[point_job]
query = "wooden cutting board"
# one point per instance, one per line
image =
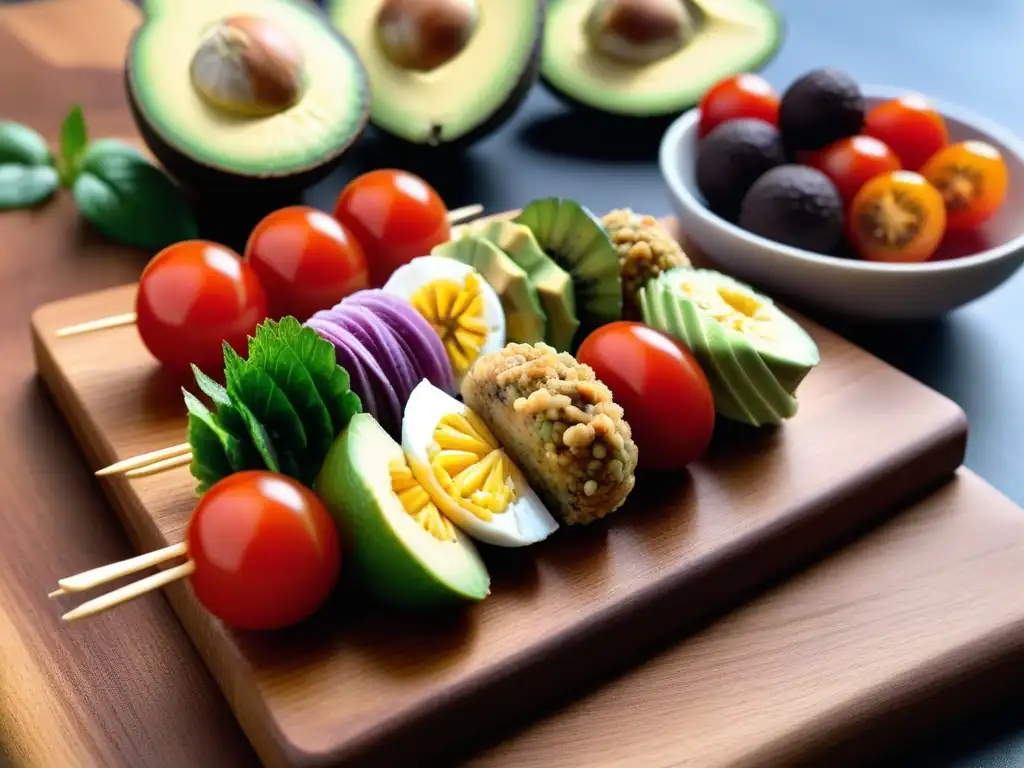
(384, 689)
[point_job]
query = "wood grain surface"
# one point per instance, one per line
(127, 689)
(380, 689)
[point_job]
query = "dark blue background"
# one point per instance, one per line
(970, 54)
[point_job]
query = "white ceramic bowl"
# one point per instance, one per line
(960, 272)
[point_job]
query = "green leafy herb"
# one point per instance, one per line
(74, 140)
(272, 412)
(116, 188)
(27, 175)
(130, 201)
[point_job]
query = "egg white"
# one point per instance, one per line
(525, 521)
(410, 277)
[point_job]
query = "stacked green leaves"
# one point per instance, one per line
(281, 408)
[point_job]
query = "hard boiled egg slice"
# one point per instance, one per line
(467, 473)
(456, 300)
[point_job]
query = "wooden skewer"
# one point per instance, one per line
(107, 573)
(456, 216)
(146, 459)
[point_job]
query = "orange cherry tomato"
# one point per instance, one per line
(910, 126)
(306, 261)
(743, 95)
(661, 387)
(265, 549)
(852, 162)
(193, 296)
(973, 180)
(897, 217)
(395, 215)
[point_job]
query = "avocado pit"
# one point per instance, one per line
(639, 31)
(422, 35)
(246, 65)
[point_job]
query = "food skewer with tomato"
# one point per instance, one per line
(196, 294)
(261, 552)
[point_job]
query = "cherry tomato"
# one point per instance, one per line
(910, 126)
(852, 161)
(194, 295)
(660, 386)
(265, 549)
(306, 261)
(743, 95)
(972, 178)
(897, 217)
(396, 217)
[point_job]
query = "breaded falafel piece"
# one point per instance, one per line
(645, 251)
(559, 424)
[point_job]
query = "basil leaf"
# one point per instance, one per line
(230, 448)
(131, 201)
(268, 352)
(259, 436)
(22, 186)
(250, 386)
(317, 356)
(226, 411)
(74, 139)
(20, 145)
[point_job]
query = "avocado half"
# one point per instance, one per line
(202, 143)
(465, 98)
(588, 63)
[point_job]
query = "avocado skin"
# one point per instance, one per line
(821, 107)
(732, 158)
(795, 205)
(591, 112)
(200, 177)
(513, 102)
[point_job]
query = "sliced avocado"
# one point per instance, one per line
(401, 561)
(755, 356)
(649, 58)
(579, 243)
(554, 285)
(525, 320)
(444, 72)
(231, 92)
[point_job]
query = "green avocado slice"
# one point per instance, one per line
(750, 350)
(200, 140)
(585, 62)
(453, 97)
(398, 559)
(525, 319)
(554, 285)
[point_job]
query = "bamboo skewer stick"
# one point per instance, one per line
(106, 573)
(146, 459)
(456, 216)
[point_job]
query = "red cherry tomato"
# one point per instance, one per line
(743, 95)
(660, 386)
(395, 215)
(265, 549)
(910, 126)
(306, 261)
(853, 161)
(194, 295)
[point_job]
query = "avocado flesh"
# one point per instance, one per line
(731, 36)
(554, 285)
(463, 99)
(329, 116)
(525, 319)
(754, 355)
(399, 561)
(577, 241)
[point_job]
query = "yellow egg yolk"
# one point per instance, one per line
(457, 314)
(417, 502)
(470, 465)
(734, 309)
